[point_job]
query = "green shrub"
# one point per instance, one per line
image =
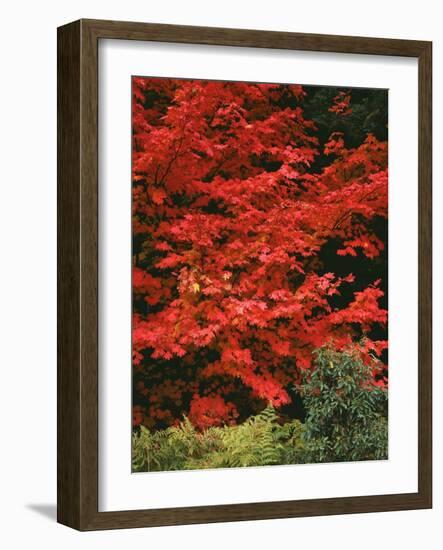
(346, 414)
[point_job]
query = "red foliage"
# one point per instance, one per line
(229, 219)
(210, 411)
(341, 104)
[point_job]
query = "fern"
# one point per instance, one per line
(259, 441)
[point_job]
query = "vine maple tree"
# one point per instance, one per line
(248, 232)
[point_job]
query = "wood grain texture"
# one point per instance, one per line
(425, 273)
(254, 38)
(78, 271)
(68, 275)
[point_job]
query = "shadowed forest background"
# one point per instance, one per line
(260, 222)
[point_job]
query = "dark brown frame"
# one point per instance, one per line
(77, 480)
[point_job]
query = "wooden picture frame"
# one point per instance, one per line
(78, 274)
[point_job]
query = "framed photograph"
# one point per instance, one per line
(244, 275)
